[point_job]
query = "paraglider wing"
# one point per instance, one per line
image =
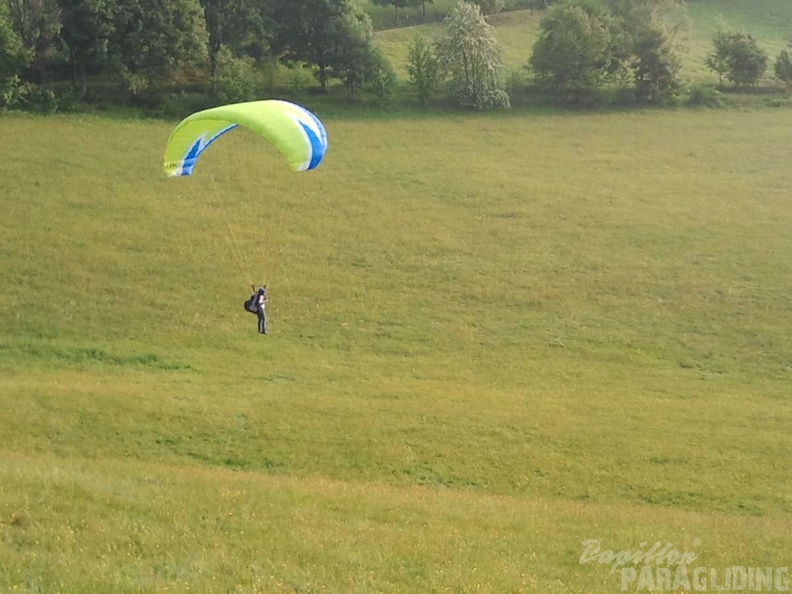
(293, 130)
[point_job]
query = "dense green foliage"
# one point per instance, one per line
(240, 26)
(87, 25)
(423, 68)
(650, 47)
(171, 58)
(783, 67)
(470, 56)
(148, 45)
(14, 57)
(152, 41)
(234, 77)
(573, 53)
(631, 44)
(37, 24)
(737, 56)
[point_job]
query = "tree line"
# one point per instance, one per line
(631, 48)
(628, 50)
(635, 46)
(144, 45)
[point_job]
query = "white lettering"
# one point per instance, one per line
(713, 578)
(663, 578)
(646, 581)
(687, 558)
(592, 547)
(781, 579)
(681, 581)
(661, 555)
(628, 576)
(739, 577)
(699, 582)
(764, 578)
(651, 553)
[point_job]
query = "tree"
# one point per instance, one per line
(243, 27)
(423, 7)
(308, 33)
(783, 68)
(87, 25)
(573, 53)
(334, 38)
(153, 40)
(37, 24)
(748, 61)
(353, 58)
(656, 67)
(423, 68)
(470, 55)
(583, 44)
(382, 77)
(234, 78)
(648, 44)
(718, 59)
(736, 56)
(356, 61)
(14, 58)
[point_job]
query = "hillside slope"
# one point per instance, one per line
(493, 337)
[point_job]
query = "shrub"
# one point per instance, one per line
(704, 96)
(783, 68)
(12, 92)
(470, 55)
(423, 68)
(41, 100)
(299, 81)
(573, 51)
(182, 104)
(382, 78)
(737, 57)
(235, 77)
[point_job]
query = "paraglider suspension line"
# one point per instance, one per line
(238, 254)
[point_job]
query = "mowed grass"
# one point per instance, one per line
(492, 337)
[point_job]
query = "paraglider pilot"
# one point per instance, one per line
(256, 304)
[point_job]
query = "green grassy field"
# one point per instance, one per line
(493, 337)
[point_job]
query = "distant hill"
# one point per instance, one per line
(770, 21)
